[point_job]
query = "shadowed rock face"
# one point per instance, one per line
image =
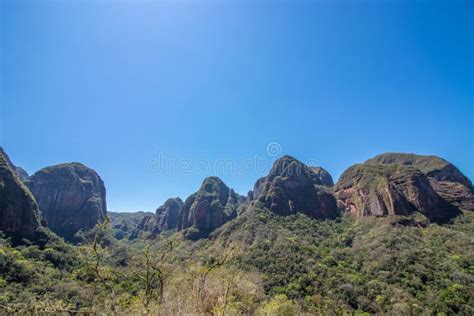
(167, 215)
(19, 171)
(207, 209)
(71, 197)
(322, 176)
(444, 177)
(393, 189)
(292, 187)
(165, 218)
(19, 213)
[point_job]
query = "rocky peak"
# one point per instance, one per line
(167, 215)
(19, 171)
(292, 187)
(444, 177)
(71, 197)
(323, 176)
(209, 208)
(19, 214)
(392, 189)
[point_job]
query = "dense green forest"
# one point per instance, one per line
(259, 263)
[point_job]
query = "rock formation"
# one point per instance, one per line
(444, 177)
(207, 209)
(393, 189)
(322, 176)
(166, 216)
(19, 214)
(71, 197)
(292, 187)
(19, 171)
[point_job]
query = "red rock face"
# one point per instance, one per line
(381, 190)
(71, 197)
(19, 213)
(445, 178)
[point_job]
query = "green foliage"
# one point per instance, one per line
(259, 263)
(373, 265)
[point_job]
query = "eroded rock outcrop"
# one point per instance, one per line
(19, 214)
(444, 177)
(71, 197)
(393, 189)
(208, 209)
(19, 171)
(322, 176)
(167, 215)
(292, 187)
(165, 218)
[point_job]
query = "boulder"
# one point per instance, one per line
(71, 197)
(292, 187)
(209, 208)
(445, 178)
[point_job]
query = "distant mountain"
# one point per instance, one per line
(210, 207)
(71, 197)
(19, 214)
(146, 224)
(292, 187)
(128, 225)
(445, 178)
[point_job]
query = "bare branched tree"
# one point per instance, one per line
(100, 254)
(151, 270)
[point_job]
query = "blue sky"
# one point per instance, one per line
(126, 87)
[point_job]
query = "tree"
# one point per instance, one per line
(100, 254)
(150, 268)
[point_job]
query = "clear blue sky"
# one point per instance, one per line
(113, 85)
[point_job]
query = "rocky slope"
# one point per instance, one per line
(444, 177)
(165, 218)
(292, 187)
(71, 197)
(127, 225)
(322, 176)
(19, 171)
(209, 208)
(19, 214)
(392, 189)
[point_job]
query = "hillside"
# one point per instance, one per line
(384, 239)
(266, 263)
